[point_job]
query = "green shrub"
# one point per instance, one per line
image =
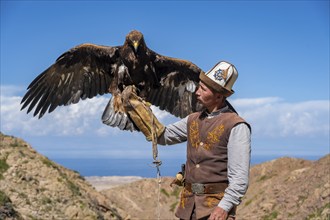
(46, 200)
(3, 198)
(49, 163)
(248, 202)
(165, 192)
(318, 212)
(3, 167)
(15, 144)
(74, 189)
(271, 216)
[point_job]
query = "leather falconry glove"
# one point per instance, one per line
(141, 114)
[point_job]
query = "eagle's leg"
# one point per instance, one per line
(118, 103)
(117, 99)
(114, 114)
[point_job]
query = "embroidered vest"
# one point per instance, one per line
(206, 159)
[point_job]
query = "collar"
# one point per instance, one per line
(215, 113)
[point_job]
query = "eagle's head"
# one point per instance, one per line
(135, 40)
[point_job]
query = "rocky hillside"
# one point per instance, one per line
(285, 188)
(146, 198)
(288, 188)
(33, 187)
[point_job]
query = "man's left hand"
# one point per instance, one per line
(218, 214)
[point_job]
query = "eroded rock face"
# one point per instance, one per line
(33, 187)
(7, 210)
(288, 188)
(38, 188)
(149, 198)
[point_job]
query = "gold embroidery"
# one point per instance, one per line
(184, 195)
(213, 199)
(194, 134)
(213, 136)
(207, 146)
(182, 202)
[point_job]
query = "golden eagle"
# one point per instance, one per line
(88, 70)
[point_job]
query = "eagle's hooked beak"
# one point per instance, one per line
(135, 45)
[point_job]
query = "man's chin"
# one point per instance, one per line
(199, 102)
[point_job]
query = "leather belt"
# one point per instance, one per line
(207, 188)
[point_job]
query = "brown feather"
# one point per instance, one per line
(88, 70)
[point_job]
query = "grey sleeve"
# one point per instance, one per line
(174, 133)
(239, 153)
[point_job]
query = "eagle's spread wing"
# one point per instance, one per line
(89, 70)
(82, 72)
(178, 81)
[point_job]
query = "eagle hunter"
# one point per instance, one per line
(88, 70)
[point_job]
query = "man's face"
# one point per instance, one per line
(206, 96)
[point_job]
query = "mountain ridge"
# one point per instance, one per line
(34, 187)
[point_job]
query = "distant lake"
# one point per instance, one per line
(135, 167)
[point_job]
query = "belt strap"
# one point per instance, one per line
(207, 188)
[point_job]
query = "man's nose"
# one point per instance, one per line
(197, 92)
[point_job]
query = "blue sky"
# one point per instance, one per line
(280, 48)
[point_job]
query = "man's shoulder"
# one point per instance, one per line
(194, 116)
(236, 119)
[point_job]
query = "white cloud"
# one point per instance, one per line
(249, 103)
(77, 119)
(278, 125)
(160, 114)
(71, 120)
(10, 90)
(269, 117)
(272, 117)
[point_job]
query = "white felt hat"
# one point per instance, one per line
(221, 78)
